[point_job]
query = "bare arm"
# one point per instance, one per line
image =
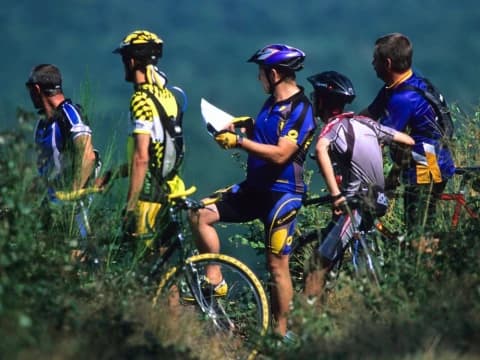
(326, 167)
(277, 154)
(402, 138)
(139, 169)
(84, 160)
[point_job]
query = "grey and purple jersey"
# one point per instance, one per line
(356, 152)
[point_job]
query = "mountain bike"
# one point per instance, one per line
(240, 316)
(364, 250)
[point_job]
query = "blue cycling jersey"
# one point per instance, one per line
(406, 110)
(291, 118)
(54, 138)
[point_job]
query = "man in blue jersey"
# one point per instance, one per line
(428, 167)
(65, 156)
(276, 143)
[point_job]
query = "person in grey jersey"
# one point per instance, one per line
(349, 155)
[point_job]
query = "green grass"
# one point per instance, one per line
(428, 306)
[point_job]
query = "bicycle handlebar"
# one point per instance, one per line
(182, 194)
(77, 194)
(320, 200)
(467, 169)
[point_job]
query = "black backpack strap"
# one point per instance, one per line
(171, 125)
(433, 103)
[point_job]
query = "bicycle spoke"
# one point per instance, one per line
(238, 318)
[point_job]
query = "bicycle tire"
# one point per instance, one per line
(303, 249)
(242, 316)
(365, 262)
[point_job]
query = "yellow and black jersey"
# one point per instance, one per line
(146, 119)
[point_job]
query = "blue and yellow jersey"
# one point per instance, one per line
(406, 110)
(146, 119)
(54, 142)
(292, 119)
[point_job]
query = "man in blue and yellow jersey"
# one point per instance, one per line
(276, 143)
(153, 156)
(65, 155)
(430, 165)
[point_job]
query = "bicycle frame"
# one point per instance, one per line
(358, 241)
(459, 197)
(175, 237)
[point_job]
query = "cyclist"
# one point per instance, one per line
(349, 156)
(276, 143)
(430, 165)
(152, 154)
(65, 155)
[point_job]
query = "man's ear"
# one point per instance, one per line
(273, 75)
(131, 63)
(388, 64)
(37, 89)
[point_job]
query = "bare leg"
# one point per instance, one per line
(315, 279)
(206, 237)
(281, 290)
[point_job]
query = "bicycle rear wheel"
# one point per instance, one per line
(239, 318)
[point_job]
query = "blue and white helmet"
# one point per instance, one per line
(279, 55)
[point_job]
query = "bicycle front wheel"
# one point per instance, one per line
(364, 257)
(239, 317)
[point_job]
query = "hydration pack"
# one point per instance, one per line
(174, 144)
(443, 117)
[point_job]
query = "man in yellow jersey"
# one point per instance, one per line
(153, 154)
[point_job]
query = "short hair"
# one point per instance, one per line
(396, 47)
(283, 72)
(48, 77)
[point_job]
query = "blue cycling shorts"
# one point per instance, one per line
(277, 211)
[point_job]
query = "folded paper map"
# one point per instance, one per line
(215, 119)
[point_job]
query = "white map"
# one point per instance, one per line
(215, 119)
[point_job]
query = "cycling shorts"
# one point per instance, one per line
(146, 214)
(337, 235)
(277, 211)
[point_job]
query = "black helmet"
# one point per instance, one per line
(141, 44)
(333, 85)
(279, 55)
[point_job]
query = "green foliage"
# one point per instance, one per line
(427, 306)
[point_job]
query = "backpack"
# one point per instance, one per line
(443, 118)
(173, 135)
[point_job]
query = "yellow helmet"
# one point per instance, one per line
(141, 44)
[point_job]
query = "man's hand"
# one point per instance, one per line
(129, 223)
(339, 204)
(242, 121)
(227, 139)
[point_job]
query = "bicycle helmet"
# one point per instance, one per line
(141, 44)
(279, 55)
(333, 85)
